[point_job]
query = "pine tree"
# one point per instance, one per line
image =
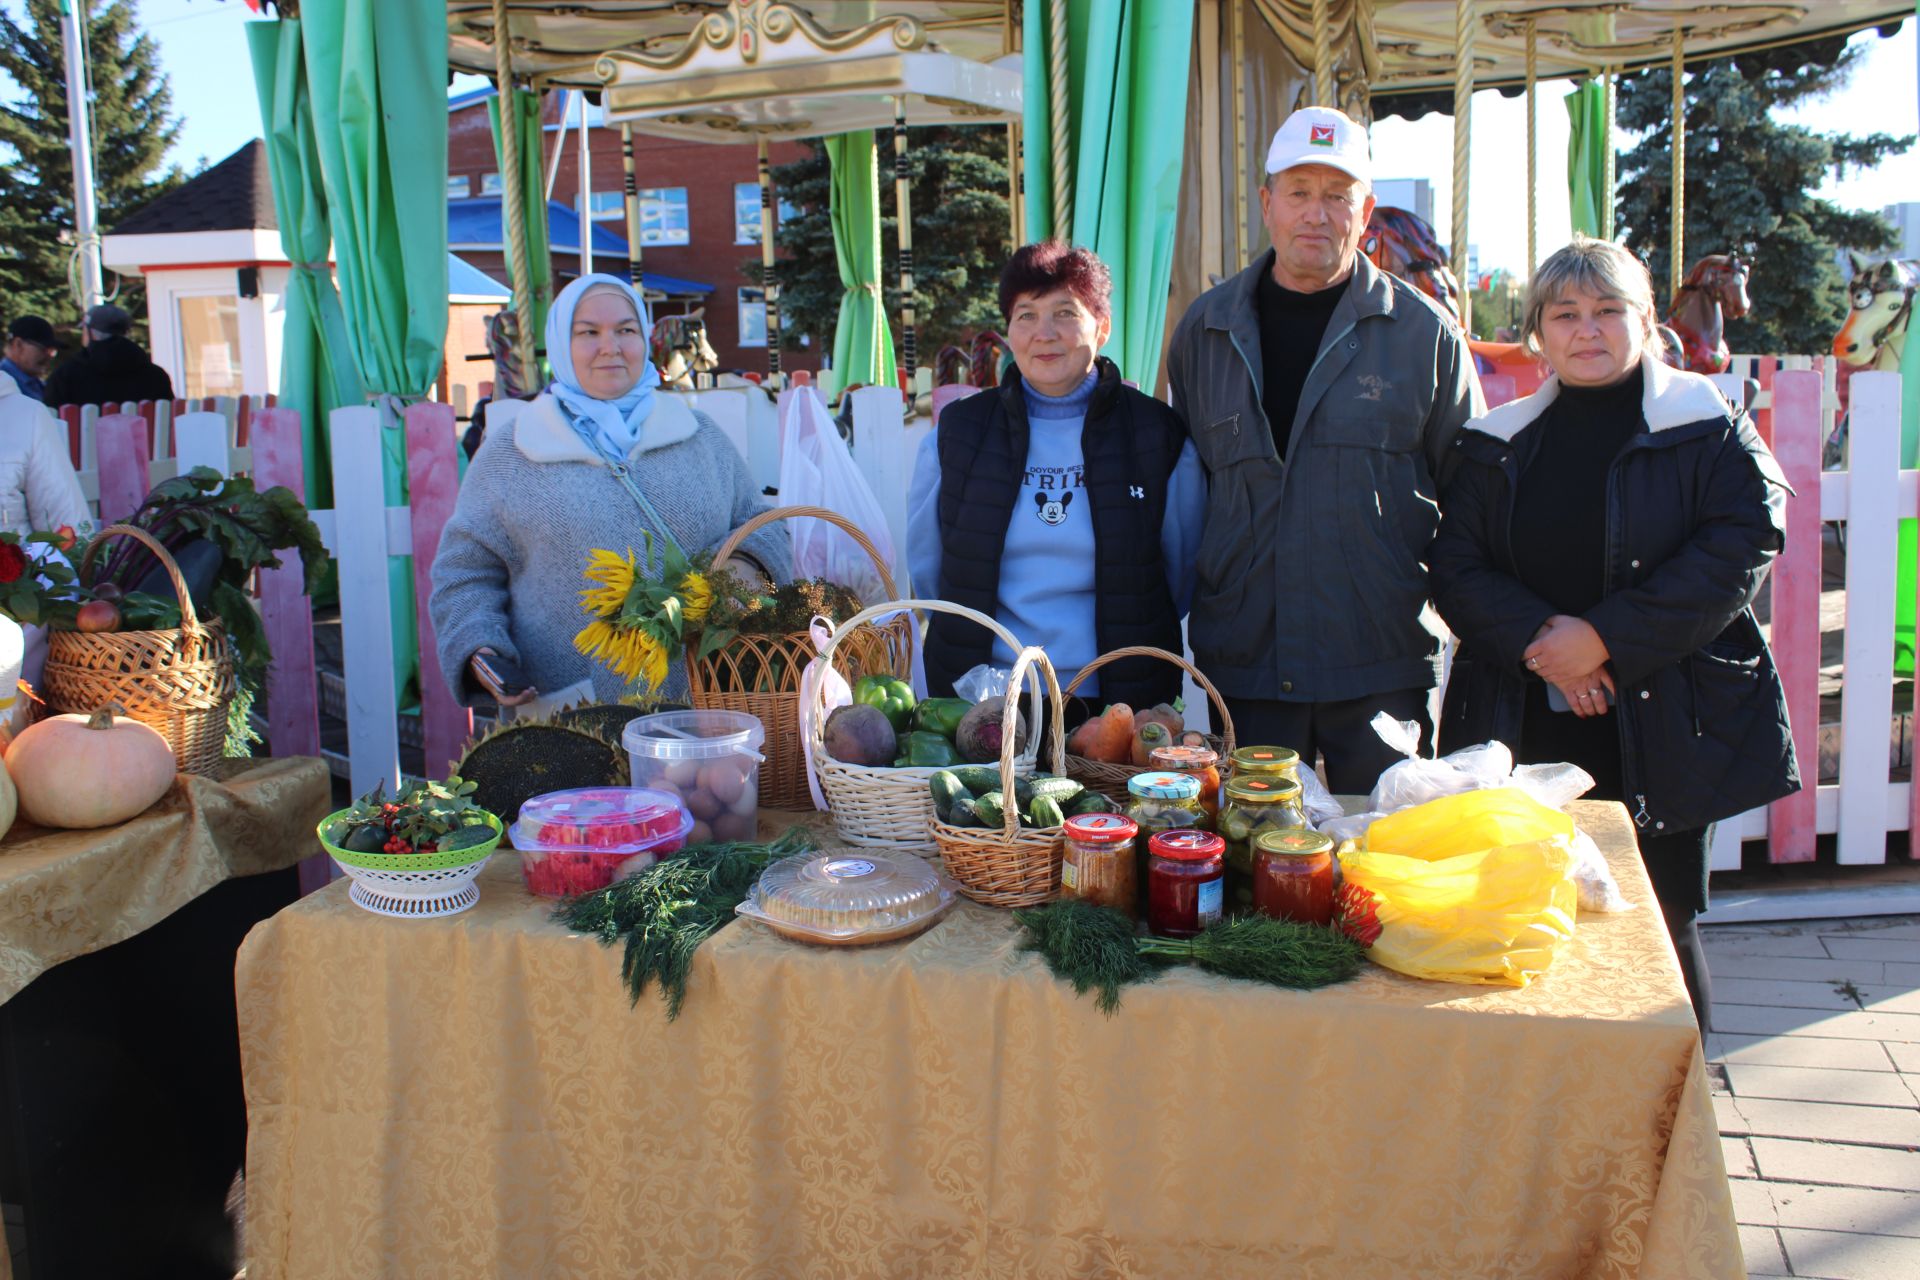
(961, 238)
(1751, 186)
(133, 129)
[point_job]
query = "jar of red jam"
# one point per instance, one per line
(1293, 876)
(1196, 762)
(1185, 871)
(1098, 862)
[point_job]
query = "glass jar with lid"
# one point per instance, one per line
(1098, 862)
(1266, 762)
(1161, 801)
(1254, 805)
(1293, 876)
(1183, 882)
(1199, 762)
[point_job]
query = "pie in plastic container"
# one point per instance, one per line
(847, 899)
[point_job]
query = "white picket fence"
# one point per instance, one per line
(173, 436)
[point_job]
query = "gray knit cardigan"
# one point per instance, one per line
(536, 499)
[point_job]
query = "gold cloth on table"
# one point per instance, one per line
(473, 1096)
(66, 893)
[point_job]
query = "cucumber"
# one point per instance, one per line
(1060, 790)
(965, 813)
(978, 778)
(466, 838)
(946, 790)
(1045, 812)
(1090, 802)
(991, 809)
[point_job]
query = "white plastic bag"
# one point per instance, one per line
(817, 470)
(1317, 802)
(1599, 891)
(982, 682)
(1417, 780)
(838, 694)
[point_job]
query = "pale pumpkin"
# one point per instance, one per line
(9, 802)
(76, 771)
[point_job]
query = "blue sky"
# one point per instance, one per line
(205, 54)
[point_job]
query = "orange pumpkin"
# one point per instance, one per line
(78, 771)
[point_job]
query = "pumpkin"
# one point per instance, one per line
(78, 771)
(9, 802)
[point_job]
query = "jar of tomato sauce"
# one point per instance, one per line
(1266, 762)
(1098, 862)
(1293, 876)
(1196, 762)
(1184, 881)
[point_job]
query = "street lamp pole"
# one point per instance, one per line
(79, 140)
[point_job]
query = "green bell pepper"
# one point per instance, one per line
(930, 750)
(941, 715)
(891, 694)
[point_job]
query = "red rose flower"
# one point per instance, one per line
(13, 562)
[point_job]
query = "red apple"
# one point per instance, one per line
(98, 615)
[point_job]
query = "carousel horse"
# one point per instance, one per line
(681, 349)
(1714, 292)
(1874, 334)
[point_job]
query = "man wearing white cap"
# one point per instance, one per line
(1321, 395)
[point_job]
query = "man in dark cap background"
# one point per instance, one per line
(30, 348)
(110, 368)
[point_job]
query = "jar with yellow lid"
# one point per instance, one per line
(1266, 762)
(1253, 806)
(1293, 876)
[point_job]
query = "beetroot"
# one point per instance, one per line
(860, 734)
(979, 737)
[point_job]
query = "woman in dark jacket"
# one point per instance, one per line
(1600, 546)
(1063, 503)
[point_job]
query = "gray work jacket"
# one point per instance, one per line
(1312, 582)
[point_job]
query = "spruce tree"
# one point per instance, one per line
(133, 129)
(1751, 187)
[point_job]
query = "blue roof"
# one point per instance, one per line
(471, 96)
(464, 280)
(474, 223)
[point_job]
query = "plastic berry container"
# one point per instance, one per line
(574, 842)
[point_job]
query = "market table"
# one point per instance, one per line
(474, 1096)
(121, 1117)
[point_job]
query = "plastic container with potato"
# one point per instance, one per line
(710, 760)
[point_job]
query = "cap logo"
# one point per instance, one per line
(1321, 135)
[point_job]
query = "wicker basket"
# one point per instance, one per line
(179, 682)
(1014, 866)
(714, 682)
(887, 807)
(1097, 775)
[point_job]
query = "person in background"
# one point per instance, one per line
(111, 368)
(39, 491)
(1600, 548)
(1063, 503)
(30, 352)
(1322, 395)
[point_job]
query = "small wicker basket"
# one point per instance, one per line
(1014, 866)
(714, 683)
(888, 807)
(179, 682)
(1098, 775)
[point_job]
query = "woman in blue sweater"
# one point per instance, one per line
(1064, 503)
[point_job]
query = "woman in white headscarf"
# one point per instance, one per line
(599, 459)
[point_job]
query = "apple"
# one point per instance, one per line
(98, 615)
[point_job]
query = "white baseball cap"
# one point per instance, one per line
(1321, 135)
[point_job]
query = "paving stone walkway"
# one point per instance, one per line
(1815, 1054)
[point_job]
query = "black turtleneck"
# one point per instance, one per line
(1291, 327)
(1559, 522)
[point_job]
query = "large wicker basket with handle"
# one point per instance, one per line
(1113, 778)
(180, 682)
(1012, 866)
(760, 674)
(888, 807)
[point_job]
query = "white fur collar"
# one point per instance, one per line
(1672, 398)
(544, 435)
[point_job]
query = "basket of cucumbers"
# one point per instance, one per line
(1002, 845)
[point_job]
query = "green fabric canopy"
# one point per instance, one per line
(1587, 157)
(532, 191)
(1126, 93)
(862, 342)
(378, 76)
(317, 375)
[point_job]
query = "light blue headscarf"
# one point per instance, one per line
(611, 427)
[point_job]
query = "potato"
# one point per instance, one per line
(663, 787)
(748, 801)
(724, 780)
(683, 773)
(703, 806)
(734, 826)
(699, 833)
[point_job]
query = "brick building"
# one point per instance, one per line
(700, 211)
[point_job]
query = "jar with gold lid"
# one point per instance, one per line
(1254, 805)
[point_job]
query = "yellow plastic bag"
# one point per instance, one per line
(1463, 823)
(1493, 916)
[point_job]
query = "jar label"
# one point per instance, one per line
(1208, 903)
(1067, 874)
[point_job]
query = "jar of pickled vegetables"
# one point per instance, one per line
(1162, 801)
(1293, 876)
(1183, 882)
(1098, 863)
(1254, 805)
(1199, 762)
(1266, 762)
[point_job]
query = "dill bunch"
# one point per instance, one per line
(1091, 947)
(666, 912)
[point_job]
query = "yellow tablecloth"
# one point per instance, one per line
(66, 893)
(473, 1096)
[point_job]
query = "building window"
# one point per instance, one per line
(663, 216)
(456, 186)
(746, 213)
(753, 318)
(490, 184)
(609, 206)
(210, 345)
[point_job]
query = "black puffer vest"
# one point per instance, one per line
(1130, 442)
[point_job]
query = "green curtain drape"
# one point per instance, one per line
(378, 76)
(317, 375)
(531, 190)
(1587, 157)
(1126, 79)
(862, 342)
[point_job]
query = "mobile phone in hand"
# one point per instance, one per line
(501, 675)
(1557, 701)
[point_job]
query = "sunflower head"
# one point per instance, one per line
(632, 653)
(610, 577)
(696, 596)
